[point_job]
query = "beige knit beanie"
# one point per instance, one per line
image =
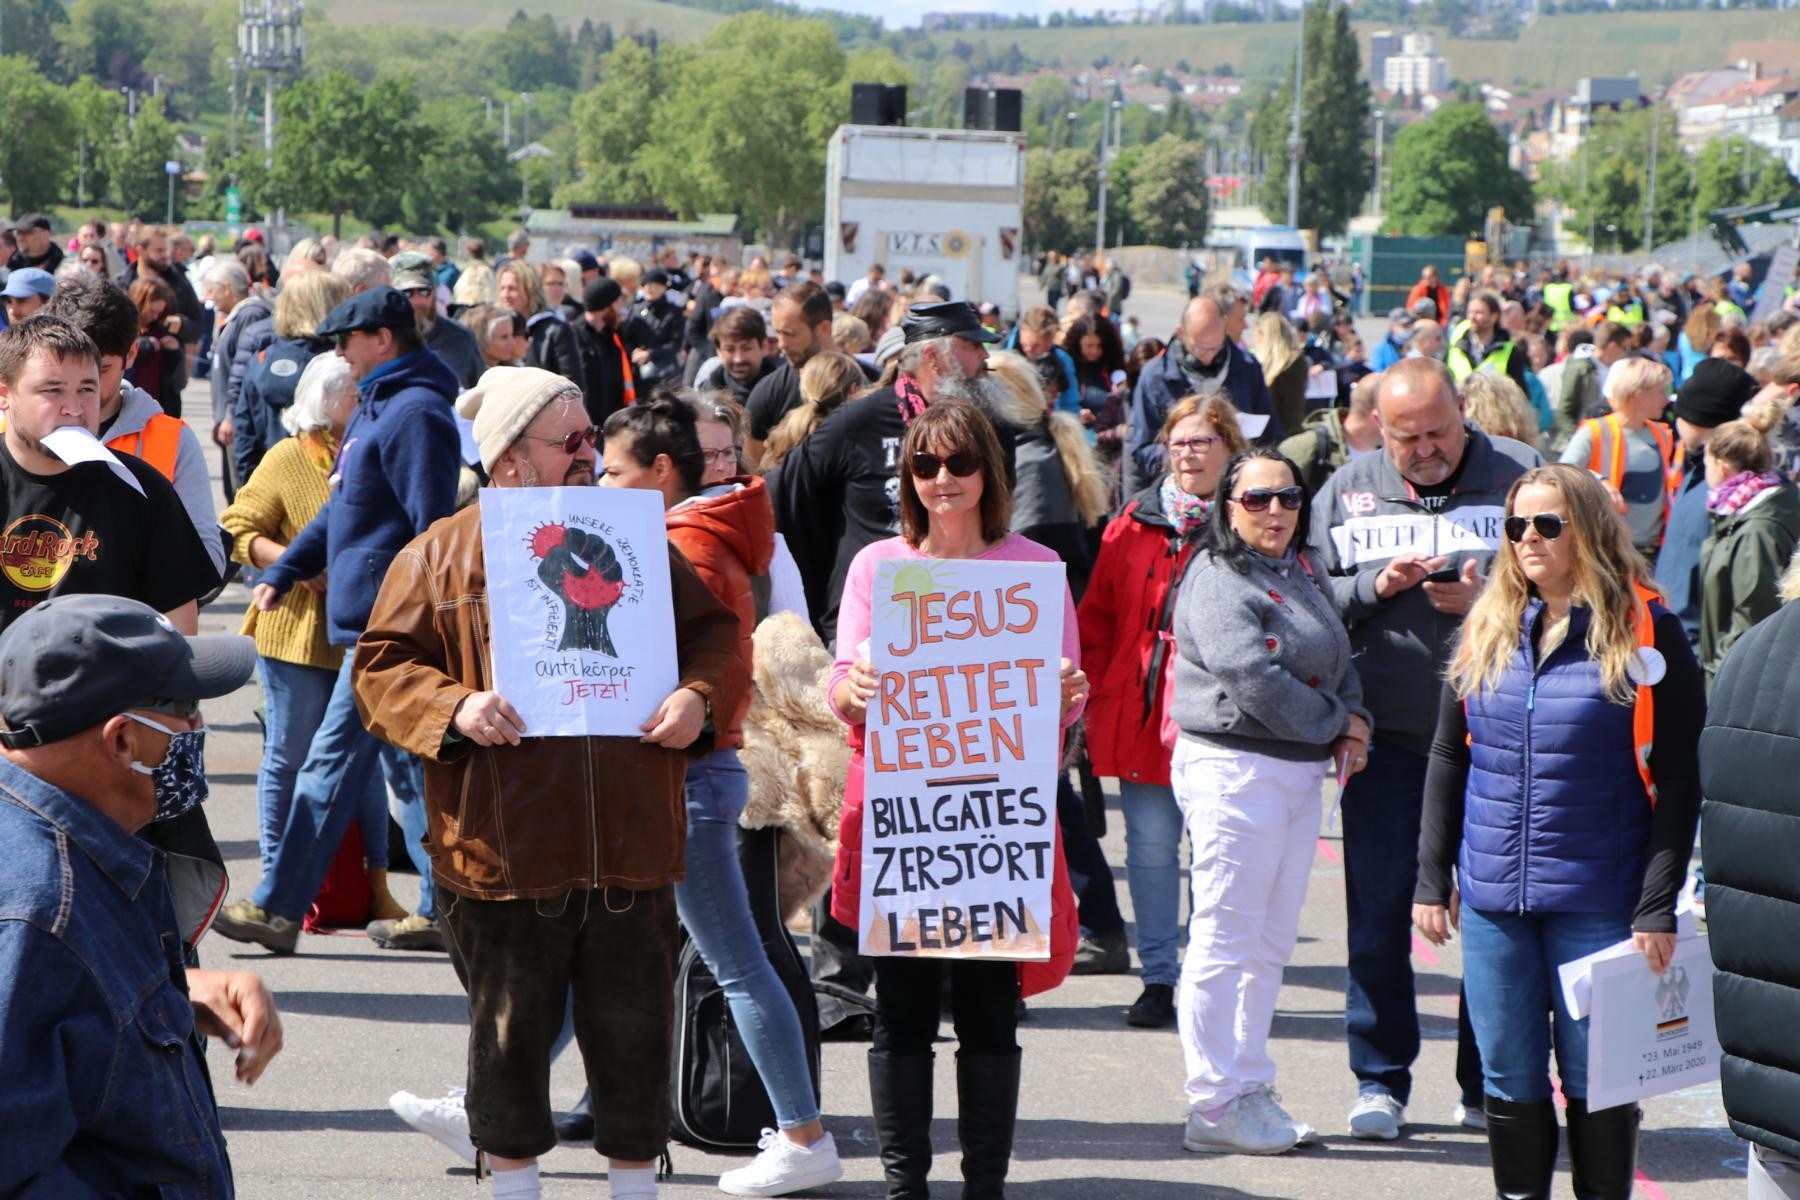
(505, 401)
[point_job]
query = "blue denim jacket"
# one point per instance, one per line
(103, 1089)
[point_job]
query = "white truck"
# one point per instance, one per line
(944, 202)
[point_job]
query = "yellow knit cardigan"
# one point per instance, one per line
(285, 492)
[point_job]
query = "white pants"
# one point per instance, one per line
(1253, 823)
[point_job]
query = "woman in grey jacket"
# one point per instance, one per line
(1266, 698)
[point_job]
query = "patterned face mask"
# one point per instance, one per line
(180, 778)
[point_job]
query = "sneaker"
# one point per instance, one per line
(1265, 1102)
(244, 922)
(1240, 1129)
(411, 932)
(784, 1167)
(1107, 954)
(443, 1118)
(1469, 1117)
(1377, 1117)
(1154, 1008)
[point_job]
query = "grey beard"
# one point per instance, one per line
(982, 391)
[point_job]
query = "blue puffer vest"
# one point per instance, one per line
(1555, 818)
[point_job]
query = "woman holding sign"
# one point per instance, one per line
(1267, 700)
(1563, 788)
(1125, 616)
(954, 504)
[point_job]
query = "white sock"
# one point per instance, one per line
(632, 1183)
(521, 1183)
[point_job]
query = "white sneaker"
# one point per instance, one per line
(443, 1118)
(1265, 1102)
(1469, 1118)
(783, 1167)
(1240, 1129)
(1377, 1117)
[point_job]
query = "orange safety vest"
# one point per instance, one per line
(1608, 433)
(1643, 713)
(157, 443)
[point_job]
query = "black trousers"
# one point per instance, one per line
(518, 960)
(909, 995)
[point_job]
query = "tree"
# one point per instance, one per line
(611, 130)
(1165, 192)
(96, 113)
(1335, 163)
(1448, 171)
(29, 26)
(1617, 156)
(107, 39)
(1059, 197)
(1733, 171)
(463, 177)
(531, 53)
(1178, 117)
(35, 143)
(341, 147)
(137, 169)
(710, 151)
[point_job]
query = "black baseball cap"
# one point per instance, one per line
(601, 294)
(377, 308)
(73, 661)
(947, 318)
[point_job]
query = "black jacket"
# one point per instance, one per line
(453, 343)
(187, 305)
(660, 328)
(552, 347)
(1750, 841)
(603, 367)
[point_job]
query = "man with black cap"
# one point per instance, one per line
(415, 279)
(107, 1091)
(36, 244)
(397, 473)
(1715, 393)
(611, 380)
(654, 331)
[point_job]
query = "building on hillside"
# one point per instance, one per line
(1573, 116)
(1700, 88)
(1418, 68)
(1382, 45)
(1752, 109)
(961, 22)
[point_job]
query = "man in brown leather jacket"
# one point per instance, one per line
(557, 856)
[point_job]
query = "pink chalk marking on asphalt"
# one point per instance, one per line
(1647, 1188)
(1423, 949)
(1329, 852)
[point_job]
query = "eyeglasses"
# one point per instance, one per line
(1259, 499)
(1194, 445)
(572, 443)
(418, 291)
(1548, 525)
(962, 464)
(181, 710)
(725, 455)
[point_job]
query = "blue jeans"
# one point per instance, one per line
(1382, 807)
(1509, 973)
(1153, 828)
(294, 699)
(339, 770)
(715, 910)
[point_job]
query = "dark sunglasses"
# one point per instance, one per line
(1549, 527)
(1259, 499)
(962, 464)
(572, 443)
(183, 710)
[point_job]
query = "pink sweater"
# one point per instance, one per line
(853, 611)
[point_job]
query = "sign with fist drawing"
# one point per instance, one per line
(581, 626)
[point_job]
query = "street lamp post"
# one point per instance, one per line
(1379, 118)
(1294, 143)
(1107, 152)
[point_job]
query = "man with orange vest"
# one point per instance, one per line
(131, 420)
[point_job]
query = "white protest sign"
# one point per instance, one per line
(581, 625)
(960, 758)
(1651, 1034)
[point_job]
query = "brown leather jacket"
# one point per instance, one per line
(553, 814)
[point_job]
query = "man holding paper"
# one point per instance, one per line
(559, 855)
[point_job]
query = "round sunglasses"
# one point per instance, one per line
(962, 464)
(1259, 499)
(572, 443)
(1548, 525)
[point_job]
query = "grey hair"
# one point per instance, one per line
(913, 355)
(326, 378)
(230, 273)
(363, 269)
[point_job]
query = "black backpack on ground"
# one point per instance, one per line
(718, 1101)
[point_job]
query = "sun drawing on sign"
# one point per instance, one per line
(582, 571)
(916, 578)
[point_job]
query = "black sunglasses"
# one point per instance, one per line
(1259, 499)
(962, 464)
(184, 710)
(1549, 527)
(572, 443)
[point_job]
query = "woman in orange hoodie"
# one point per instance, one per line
(727, 531)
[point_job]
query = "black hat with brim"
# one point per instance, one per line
(377, 308)
(948, 318)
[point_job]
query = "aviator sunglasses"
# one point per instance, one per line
(1548, 525)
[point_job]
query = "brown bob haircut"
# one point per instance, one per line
(945, 428)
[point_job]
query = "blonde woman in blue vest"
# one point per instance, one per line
(1564, 841)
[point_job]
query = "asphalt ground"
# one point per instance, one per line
(1101, 1106)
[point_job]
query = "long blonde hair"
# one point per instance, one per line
(826, 381)
(1277, 345)
(1025, 406)
(1608, 571)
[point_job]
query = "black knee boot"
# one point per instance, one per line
(987, 1105)
(1603, 1150)
(900, 1090)
(1522, 1144)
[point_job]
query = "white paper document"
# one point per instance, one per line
(74, 445)
(1651, 1034)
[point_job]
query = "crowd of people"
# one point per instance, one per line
(1288, 562)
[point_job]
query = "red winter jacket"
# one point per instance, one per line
(1126, 604)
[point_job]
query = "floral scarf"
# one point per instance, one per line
(1187, 513)
(912, 400)
(1735, 493)
(321, 449)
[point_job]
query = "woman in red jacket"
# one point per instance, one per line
(1124, 619)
